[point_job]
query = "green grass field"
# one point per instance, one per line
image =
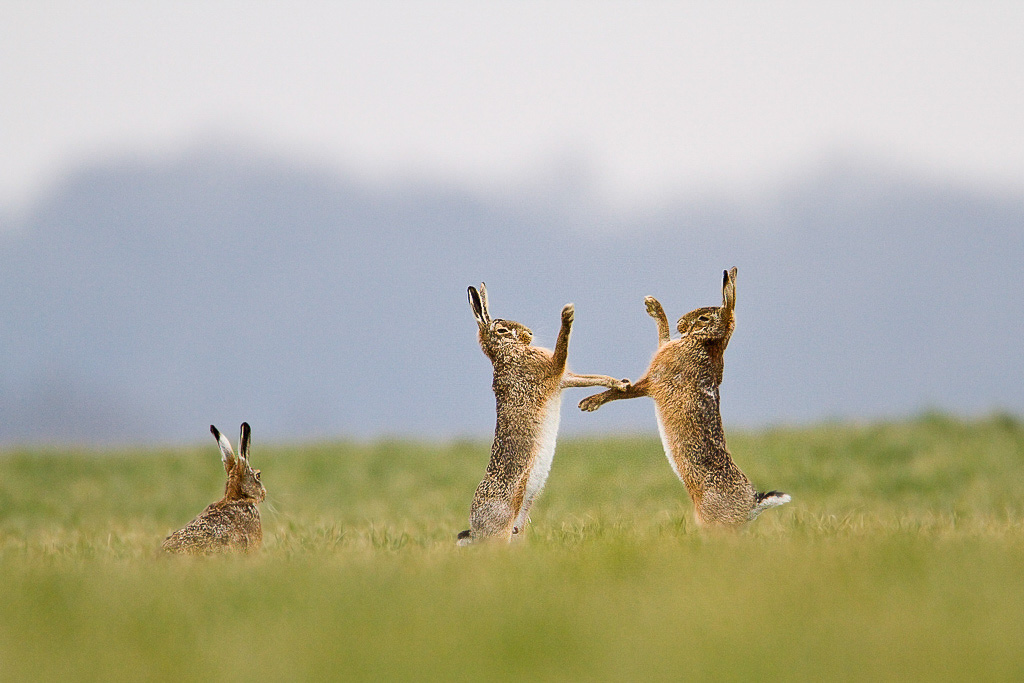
(900, 558)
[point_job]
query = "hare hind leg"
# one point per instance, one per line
(490, 518)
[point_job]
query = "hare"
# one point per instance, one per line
(683, 380)
(232, 524)
(528, 382)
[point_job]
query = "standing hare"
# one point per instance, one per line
(683, 381)
(528, 383)
(232, 524)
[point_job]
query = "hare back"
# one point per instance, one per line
(696, 450)
(221, 527)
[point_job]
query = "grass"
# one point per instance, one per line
(900, 558)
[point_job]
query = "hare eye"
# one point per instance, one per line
(704, 319)
(257, 475)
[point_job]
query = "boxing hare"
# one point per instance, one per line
(683, 380)
(232, 524)
(528, 382)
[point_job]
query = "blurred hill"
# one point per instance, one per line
(142, 300)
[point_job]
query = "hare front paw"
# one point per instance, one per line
(624, 384)
(568, 314)
(654, 308)
(591, 403)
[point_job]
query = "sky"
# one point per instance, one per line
(643, 100)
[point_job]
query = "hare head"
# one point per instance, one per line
(496, 334)
(243, 480)
(713, 322)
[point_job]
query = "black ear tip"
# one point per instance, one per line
(213, 430)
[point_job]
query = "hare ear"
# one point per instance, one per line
(243, 443)
(729, 288)
(483, 300)
(227, 455)
(478, 305)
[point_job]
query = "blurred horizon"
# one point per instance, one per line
(272, 212)
(149, 298)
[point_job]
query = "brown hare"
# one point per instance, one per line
(528, 382)
(232, 524)
(683, 380)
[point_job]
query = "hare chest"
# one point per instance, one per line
(666, 443)
(544, 447)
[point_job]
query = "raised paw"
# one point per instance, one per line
(591, 403)
(568, 314)
(624, 384)
(654, 308)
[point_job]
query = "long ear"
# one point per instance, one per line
(486, 305)
(729, 289)
(243, 443)
(227, 455)
(478, 306)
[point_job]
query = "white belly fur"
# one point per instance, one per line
(665, 444)
(544, 453)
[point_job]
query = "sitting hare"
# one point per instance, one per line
(232, 524)
(683, 380)
(528, 382)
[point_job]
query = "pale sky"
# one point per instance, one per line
(655, 97)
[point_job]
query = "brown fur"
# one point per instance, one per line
(232, 524)
(683, 380)
(527, 379)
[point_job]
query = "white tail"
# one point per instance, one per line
(769, 500)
